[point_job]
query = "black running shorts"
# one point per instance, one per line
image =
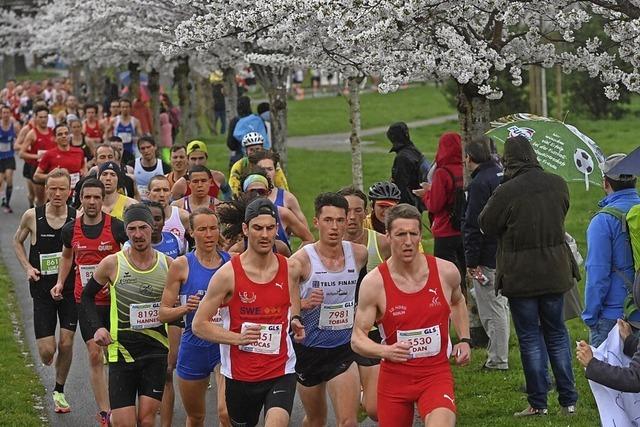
(7, 164)
(47, 313)
(245, 400)
(316, 365)
(144, 377)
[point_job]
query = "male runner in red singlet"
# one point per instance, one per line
(412, 296)
(260, 300)
(36, 143)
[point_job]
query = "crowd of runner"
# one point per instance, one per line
(175, 270)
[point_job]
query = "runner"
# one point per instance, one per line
(43, 225)
(177, 220)
(268, 161)
(9, 129)
(88, 240)
(383, 195)
(114, 203)
(261, 305)
(148, 165)
(127, 182)
(178, 164)
(104, 153)
(106, 123)
(415, 357)
(78, 138)
(199, 179)
(252, 142)
(198, 155)
(378, 250)
(188, 278)
(137, 340)
(127, 128)
(62, 156)
(39, 139)
(329, 276)
(91, 126)
(257, 184)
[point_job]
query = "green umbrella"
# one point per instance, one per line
(561, 148)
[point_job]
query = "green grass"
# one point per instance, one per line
(22, 390)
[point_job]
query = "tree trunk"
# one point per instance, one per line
(474, 113)
(274, 81)
(559, 106)
(205, 104)
(8, 67)
(134, 80)
(187, 117)
(95, 84)
(74, 73)
(154, 92)
(354, 137)
(20, 64)
(230, 93)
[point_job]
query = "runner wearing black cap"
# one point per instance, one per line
(114, 203)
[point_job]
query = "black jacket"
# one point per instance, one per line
(617, 377)
(480, 249)
(405, 172)
(526, 214)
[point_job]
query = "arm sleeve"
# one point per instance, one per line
(117, 229)
(493, 218)
(478, 195)
(89, 304)
(66, 234)
(616, 377)
(597, 267)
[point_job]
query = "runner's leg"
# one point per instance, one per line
(97, 376)
(46, 349)
(369, 381)
(65, 355)
(314, 401)
(440, 417)
(168, 397)
(193, 398)
(276, 417)
(344, 391)
(147, 409)
(223, 414)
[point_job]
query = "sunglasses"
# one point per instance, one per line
(259, 191)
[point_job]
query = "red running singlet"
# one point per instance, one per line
(43, 142)
(88, 254)
(268, 305)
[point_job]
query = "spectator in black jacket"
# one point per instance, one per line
(235, 146)
(480, 254)
(405, 172)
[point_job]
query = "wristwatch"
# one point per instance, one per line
(467, 340)
(294, 318)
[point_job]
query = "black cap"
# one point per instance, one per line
(260, 206)
(109, 165)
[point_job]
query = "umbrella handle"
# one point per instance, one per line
(586, 181)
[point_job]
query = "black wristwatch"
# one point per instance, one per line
(294, 318)
(467, 340)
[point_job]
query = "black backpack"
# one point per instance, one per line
(457, 208)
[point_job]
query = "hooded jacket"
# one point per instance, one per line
(447, 175)
(526, 214)
(405, 172)
(235, 146)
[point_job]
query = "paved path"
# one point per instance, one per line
(78, 389)
(340, 141)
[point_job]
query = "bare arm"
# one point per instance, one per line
(459, 315)
(292, 203)
(24, 148)
(39, 175)
(383, 246)
(220, 290)
(177, 275)
(26, 228)
(361, 254)
(179, 189)
(294, 295)
(22, 135)
(184, 219)
(294, 225)
(64, 267)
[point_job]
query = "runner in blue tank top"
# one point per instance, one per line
(8, 131)
(188, 280)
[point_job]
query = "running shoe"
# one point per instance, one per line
(104, 418)
(531, 412)
(569, 410)
(60, 403)
(7, 209)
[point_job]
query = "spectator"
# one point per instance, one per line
(166, 137)
(405, 172)
(264, 111)
(480, 254)
(439, 199)
(235, 146)
(609, 264)
(219, 108)
(174, 115)
(535, 267)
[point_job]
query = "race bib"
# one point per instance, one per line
(336, 316)
(143, 190)
(145, 315)
(125, 137)
(41, 153)
(75, 178)
(86, 273)
(269, 341)
(424, 342)
(217, 319)
(49, 263)
(5, 147)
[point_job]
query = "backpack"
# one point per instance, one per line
(457, 208)
(423, 170)
(631, 227)
(251, 123)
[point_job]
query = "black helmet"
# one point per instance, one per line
(384, 190)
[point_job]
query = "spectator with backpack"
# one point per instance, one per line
(609, 265)
(244, 123)
(444, 199)
(407, 165)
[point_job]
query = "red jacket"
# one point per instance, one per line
(439, 199)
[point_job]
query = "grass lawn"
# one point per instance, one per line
(22, 388)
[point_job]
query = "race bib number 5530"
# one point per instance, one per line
(424, 342)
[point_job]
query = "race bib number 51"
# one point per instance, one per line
(424, 342)
(336, 317)
(269, 341)
(144, 316)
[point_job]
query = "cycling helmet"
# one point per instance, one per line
(252, 138)
(384, 190)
